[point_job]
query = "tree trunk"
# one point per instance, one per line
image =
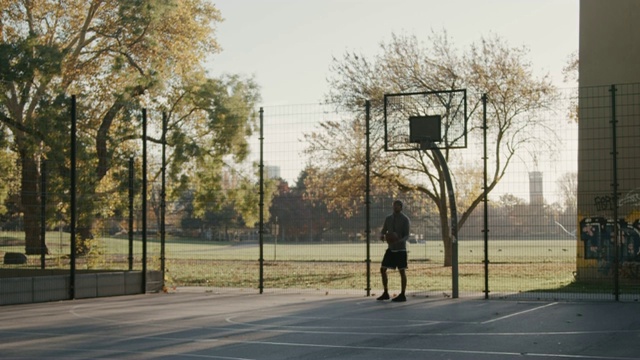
(84, 239)
(30, 199)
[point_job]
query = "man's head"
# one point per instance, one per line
(397, 206)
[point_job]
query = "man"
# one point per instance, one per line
(396, 232)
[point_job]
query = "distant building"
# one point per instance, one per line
(536, 195)
(272, 172)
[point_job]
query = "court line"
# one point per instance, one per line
(403, 323)
(226, 340)
(279, 330)
(417, 350)
(441, 334)
(519, 313)
(152, 352)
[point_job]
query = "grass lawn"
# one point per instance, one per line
(514, 265)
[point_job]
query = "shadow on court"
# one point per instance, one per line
(233, 324)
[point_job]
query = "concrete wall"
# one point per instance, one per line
(31, 289)
(609, 46)
(609, 53)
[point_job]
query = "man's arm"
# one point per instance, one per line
(407, 229)
(385, 228)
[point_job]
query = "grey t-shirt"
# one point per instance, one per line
(400, 224)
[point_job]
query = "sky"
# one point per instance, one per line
(288, 45)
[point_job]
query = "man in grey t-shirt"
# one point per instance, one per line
(396, 232)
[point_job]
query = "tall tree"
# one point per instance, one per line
(117, 55)
(407, 65)
(208, 123)
(8, 177)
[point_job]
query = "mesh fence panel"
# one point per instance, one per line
(551, 230)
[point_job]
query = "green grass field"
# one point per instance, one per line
(515, 266)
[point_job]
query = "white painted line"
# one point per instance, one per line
(334, 327)
(450, 351)
(519, 313)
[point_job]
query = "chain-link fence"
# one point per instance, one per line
(304, 211)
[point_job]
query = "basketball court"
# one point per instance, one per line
(241, 324)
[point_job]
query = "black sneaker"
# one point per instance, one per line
(384, 296)
(399, 298)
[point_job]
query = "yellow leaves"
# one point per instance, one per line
(185, 33)
(161, 37)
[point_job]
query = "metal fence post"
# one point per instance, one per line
(144, 201)
(131, 193)
(43, 212)
(72, 255)
(163, 197)
(261, 204)
(485, 198)
(614, 185)
(368, 194)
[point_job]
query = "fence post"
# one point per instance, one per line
(614, 185)
(144, 201)
(485, 198)
(43, 212)
(163, 197)
(261, 204)
(368, 194)
(131, 174)
(72, 229)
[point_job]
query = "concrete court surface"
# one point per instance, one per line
(236, 324)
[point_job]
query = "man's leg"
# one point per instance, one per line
(385, 279)
(402, 269)
(403, 283)
(403, 280)
(385, 284)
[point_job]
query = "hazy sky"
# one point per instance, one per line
(288, 44)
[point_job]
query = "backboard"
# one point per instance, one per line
(437, 116)
(425, 128)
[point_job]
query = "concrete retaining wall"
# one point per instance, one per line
(32, 289)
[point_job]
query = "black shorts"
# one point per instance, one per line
(395, 259)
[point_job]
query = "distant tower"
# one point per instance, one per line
(536, 196)
(273, 172)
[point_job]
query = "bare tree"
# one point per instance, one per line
(568, 186)
(405, 64)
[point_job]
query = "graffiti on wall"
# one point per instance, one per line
(631, 198)
(597, 235)
(603, 203)
(607, 202)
